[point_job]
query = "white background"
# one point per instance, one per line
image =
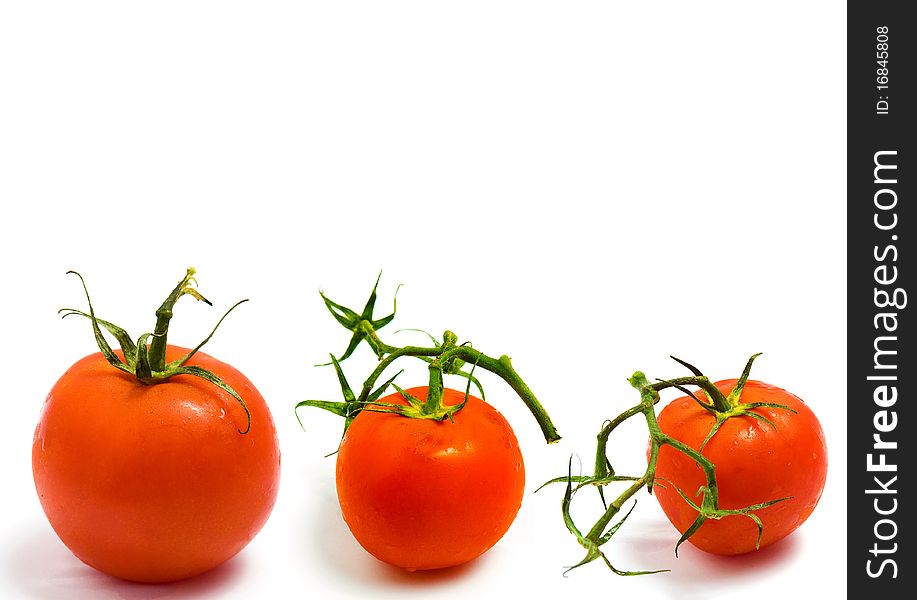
(586, 186)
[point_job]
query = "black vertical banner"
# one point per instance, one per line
(881, 367)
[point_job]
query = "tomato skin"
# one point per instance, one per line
(424, 494)
(154, 483)
(754, 463)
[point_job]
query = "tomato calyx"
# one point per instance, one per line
(362, 325)
(724, 407)
(708, 509)
(445, 357)
(146, 359)
(604, 473)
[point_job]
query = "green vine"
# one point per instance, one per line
(443, 357)
(722, 406)
(146, 359)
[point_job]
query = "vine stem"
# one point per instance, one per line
(395, 354)
(443, 358)
(604, 474)
(502, 367)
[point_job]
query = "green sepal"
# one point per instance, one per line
(351, 407)
(339, 408)
(705, 405)
(128, 348)
(436, 343)
(736, 392)
(142, 369)
(362, 325)
(345, 317)
(718, 400)
(215, 380)
(444, 358)
(412, 400)
(708, 510)
(342, 381)
(187, 357)
(101, 342)
(698, 522)
(592, 546)
(770, 405)
(584, 480)
(733, 407)
(718, 422)
(377, 393)
(147, 362)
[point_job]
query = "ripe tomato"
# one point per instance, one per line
(154, 482)
(755, 462)
(425, 494)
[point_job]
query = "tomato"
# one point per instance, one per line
(755, 462)
(427, 494)
(155, 482)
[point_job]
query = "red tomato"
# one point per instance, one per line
(754, 463)
(424, 494)
(154, 482)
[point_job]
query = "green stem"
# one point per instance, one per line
(446, 358)
(503, 368)
(157, 352)
(414, 351)
(600, 533)
(372, 338)
(601, 460)
(599, 528)
(434, 402)
(148, 362)
(650, 396)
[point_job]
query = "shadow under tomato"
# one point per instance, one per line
(42, 567)
(403, 577)
(698, 574)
